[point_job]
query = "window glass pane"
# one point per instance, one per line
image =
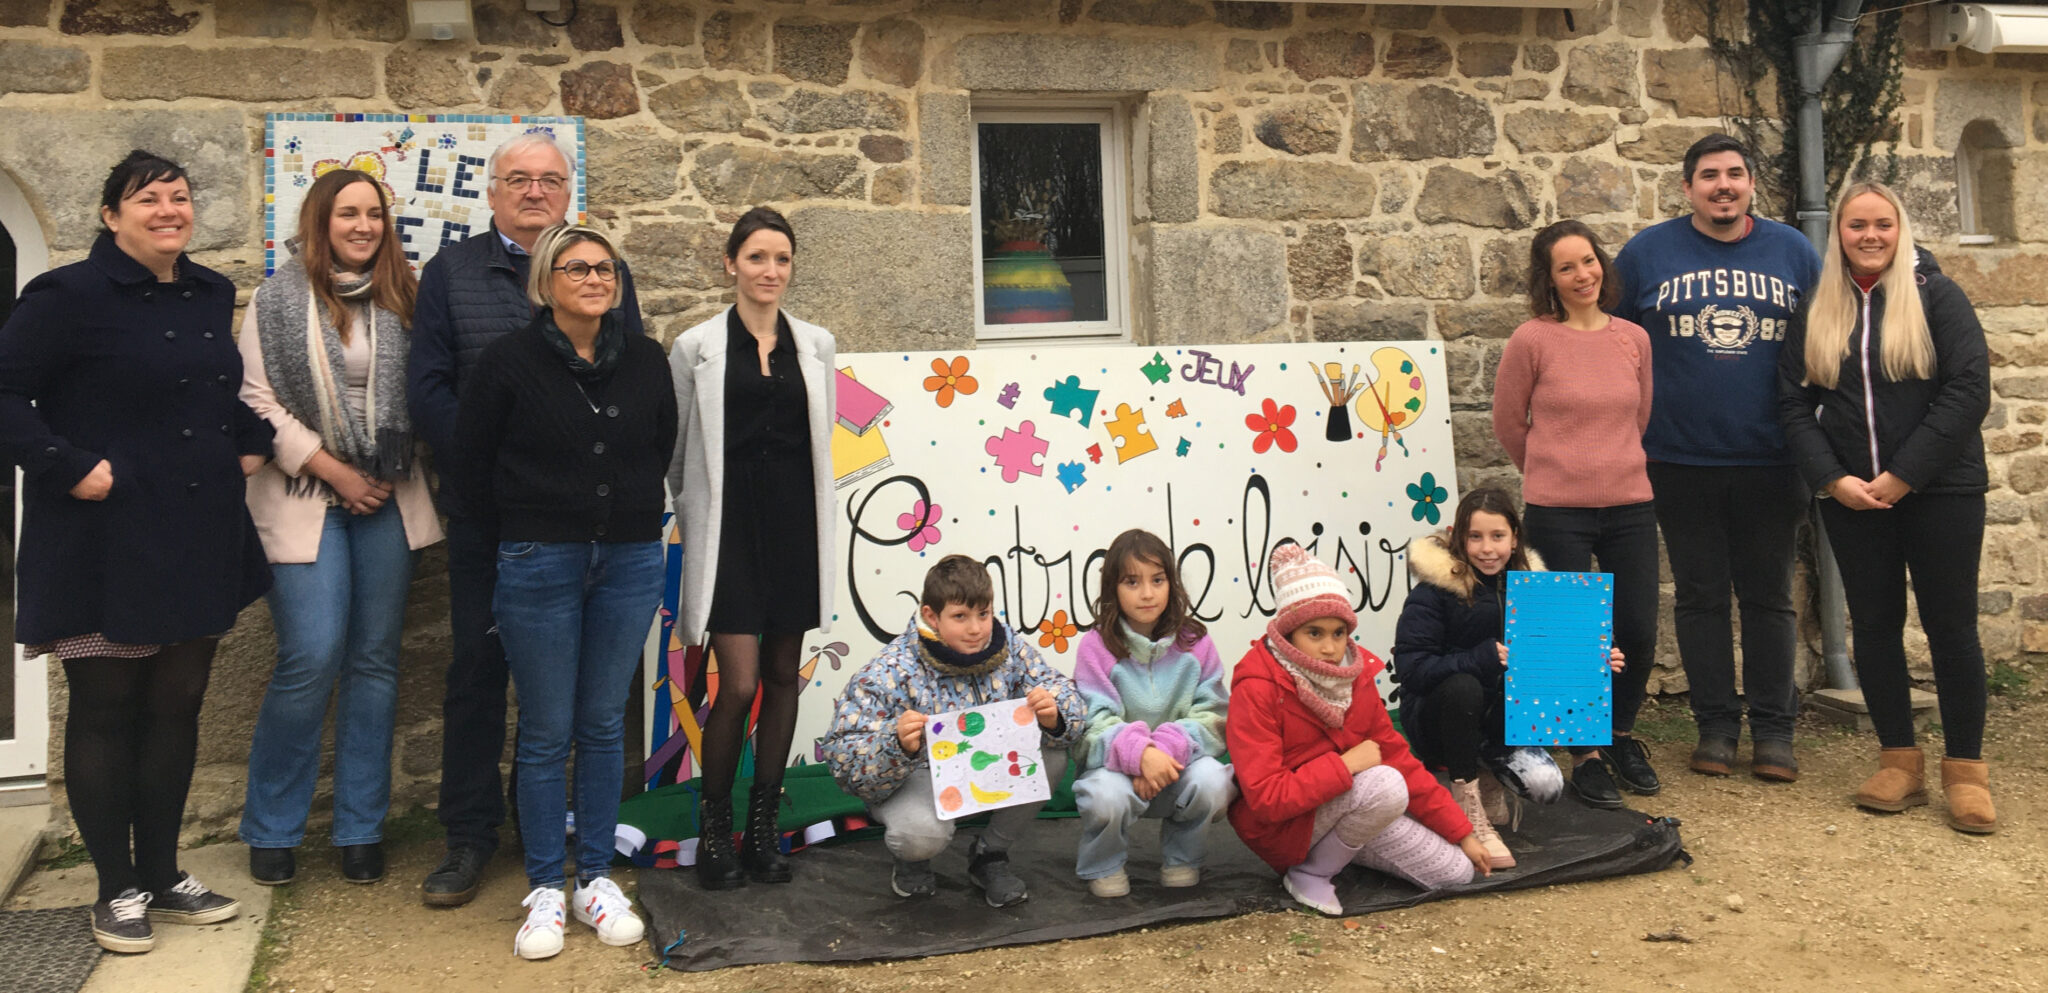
(1041, 224)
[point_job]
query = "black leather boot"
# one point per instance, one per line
(718, 866)
(761, 847)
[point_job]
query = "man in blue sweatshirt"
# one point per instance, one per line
(1716, 290)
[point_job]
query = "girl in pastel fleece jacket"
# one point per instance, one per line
(1153, 746)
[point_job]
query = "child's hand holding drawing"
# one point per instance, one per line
(1615, 661)
(910, 732)
(1045, 706)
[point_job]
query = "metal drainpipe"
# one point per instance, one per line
(1817, 53)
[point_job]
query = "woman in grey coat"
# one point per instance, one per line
(752, 480)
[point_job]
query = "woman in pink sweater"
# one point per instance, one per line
(1570, 403)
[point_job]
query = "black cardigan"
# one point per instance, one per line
(1929, 431)
(537, 464)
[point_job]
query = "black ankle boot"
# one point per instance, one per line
(718, 867)
(761, 847)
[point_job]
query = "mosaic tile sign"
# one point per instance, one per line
(432, 165)
(1033, 459)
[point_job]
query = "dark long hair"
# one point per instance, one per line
(1543, 298)
(393, 286)
(1492, 501)
(1129, 548)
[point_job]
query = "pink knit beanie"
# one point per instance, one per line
(1307, 590)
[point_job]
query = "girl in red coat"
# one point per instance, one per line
(1326, 780)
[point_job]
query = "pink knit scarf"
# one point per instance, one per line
(1324, 688)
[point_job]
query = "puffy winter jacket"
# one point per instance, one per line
(861, 747)
(1451, 623)
(1927, 432)
(1289, 762)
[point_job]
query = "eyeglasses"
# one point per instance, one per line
(579, 270)
(520, 183)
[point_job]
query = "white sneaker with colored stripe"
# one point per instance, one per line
(541, 936)
(600, 905)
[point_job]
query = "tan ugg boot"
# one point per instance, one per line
(1900, 782)
(1967, 785)
(1467, 793)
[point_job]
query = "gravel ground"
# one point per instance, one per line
(1793, 889)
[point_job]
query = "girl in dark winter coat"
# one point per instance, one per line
(1884, 381)
(1449, 660)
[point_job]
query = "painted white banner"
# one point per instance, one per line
(1032, 460)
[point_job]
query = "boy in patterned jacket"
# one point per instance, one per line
(954, 656)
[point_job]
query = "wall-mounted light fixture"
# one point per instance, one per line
(440, 20)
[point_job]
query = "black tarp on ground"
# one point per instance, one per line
(840, 909)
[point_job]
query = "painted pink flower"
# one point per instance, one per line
(922, 523)
(1271, 425)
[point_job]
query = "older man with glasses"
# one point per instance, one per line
(471, 293)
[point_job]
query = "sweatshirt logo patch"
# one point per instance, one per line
(1727, 329)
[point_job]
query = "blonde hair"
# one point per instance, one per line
(1908, 350)
(549, 249)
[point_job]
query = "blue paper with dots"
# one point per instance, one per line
(1559, 628)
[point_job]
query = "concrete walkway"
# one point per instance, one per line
(215, 958)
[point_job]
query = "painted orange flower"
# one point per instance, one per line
(1272, 424)
(1054, 631)
(948, 381)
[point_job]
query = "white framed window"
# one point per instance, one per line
(1051, 235)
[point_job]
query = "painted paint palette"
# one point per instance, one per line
(985, 759)
(1560, 627)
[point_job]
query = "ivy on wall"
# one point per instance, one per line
(1859, 101)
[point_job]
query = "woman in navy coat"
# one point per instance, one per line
(119, 399)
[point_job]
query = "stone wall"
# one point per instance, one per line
(1298, 172)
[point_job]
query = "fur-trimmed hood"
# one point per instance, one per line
(1430, 559)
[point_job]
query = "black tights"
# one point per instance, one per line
(1463, 716)
(747, 663)
(130, 739)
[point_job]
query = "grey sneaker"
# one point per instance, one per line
(909, 879)
(991, 871)
(190, 902)
(122, 924)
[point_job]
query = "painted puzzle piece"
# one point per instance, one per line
(1182, 449)
(1017, 451)
(1068, 397)
(1072, 475)
(1009, 396)
(1157, 370)
(1095, 453)
(1176, 409)
(1127, 428)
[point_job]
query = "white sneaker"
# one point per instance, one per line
(602, 906)
(1179, 876)
(1114, 885)
(541, 936)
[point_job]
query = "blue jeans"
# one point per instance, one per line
(1109, 804)
(574, 617)
(338, 619)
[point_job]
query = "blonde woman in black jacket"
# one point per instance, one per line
(1884, 381)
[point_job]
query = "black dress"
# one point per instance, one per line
(767, 577)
